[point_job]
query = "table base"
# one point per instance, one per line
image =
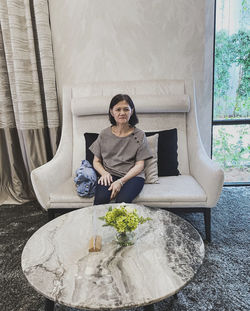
(149, 308)
(49, 305)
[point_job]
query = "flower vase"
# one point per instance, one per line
(125, 238)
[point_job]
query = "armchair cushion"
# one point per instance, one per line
(151, 168)
(183, 188)
(167, 152)
(180, 190)
(66, 196)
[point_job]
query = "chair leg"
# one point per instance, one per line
(51, 214)
(149, 308)
(49, 305)
(207, 219)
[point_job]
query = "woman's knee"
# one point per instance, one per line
(101, 199)
(130, 190)
(102, 195)
(124, 198)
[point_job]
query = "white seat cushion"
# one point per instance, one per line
(66, 196)
(172, 191)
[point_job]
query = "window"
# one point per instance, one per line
(231, 102)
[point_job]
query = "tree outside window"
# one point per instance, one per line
(231, 115)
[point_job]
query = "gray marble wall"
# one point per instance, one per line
(109, 40)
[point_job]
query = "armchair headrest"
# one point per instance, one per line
(93, 105)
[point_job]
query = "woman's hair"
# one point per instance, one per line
(118, 98)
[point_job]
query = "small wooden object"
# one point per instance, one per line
(95, 243)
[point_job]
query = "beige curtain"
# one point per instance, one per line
(29, 114)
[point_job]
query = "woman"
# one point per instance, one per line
(119, 154)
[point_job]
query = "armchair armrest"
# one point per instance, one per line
(46, 178)
(208, 174)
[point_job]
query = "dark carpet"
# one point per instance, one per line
(221, 284)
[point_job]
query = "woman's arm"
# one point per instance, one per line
(134, 171)
(106, 178)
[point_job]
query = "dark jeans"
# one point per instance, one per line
(127, 194)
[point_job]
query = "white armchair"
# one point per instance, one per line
(160, 105)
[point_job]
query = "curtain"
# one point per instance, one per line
(29, 113)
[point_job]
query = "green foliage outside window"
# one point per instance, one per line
(231, 147)
(230, 153)
(229, 50)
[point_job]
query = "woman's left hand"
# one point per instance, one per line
(115, 187)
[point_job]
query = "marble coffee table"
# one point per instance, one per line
(166, 255)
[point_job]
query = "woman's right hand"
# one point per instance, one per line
(106, 179)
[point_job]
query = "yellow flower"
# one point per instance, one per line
(123, 218)
(121, 224)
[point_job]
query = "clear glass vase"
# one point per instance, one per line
(125, 238)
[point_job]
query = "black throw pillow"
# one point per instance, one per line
(167, 152)
(89, 139)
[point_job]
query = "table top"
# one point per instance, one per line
(167, 253)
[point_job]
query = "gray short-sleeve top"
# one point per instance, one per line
(119, 154)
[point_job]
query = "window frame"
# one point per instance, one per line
(223, 121)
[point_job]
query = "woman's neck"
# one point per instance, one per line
(122, 129)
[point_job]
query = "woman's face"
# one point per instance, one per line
(121, 112)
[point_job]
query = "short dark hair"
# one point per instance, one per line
(119, 98)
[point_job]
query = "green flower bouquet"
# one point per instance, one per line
(125, 220)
